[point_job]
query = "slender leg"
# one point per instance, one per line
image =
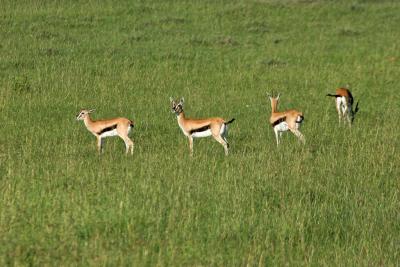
(99, 144)
(128, 144)
(224, 135)
(298, 134)
(222, 142)
(349, 110)
(191, 145)
(277, 136)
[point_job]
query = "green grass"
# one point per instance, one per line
(333, 201)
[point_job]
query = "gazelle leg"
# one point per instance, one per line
(99, 144)
(349, 110)
(298, 134)
(128, 144)
(224, 135)
(191, 145)
(222, 142)
(277, 136)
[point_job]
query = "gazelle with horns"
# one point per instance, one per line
(344, 105)
(193, 128)
(288, 120)
(110, 127)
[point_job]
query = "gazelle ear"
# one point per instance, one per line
(277, 98)
(182, 100)
(92, 110)
(171, 99)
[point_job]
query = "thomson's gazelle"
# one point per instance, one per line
(344, 105)
(215, 127)
(284, 121)
(110, 127)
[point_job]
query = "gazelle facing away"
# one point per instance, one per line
(344, 105)
(215, 127)
(110, 127)
(288, 120)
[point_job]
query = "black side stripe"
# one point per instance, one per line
(278, 121)
(108, 129)
(201, 129)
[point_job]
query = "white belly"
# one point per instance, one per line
(202, 134)
(109, 133)
(281, 127)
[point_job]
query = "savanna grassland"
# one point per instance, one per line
(333, 201)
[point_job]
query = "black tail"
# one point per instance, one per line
(301, 118)
(333, 95)
(228, 122)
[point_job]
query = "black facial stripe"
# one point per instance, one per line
(201, 129)
(108, 129)
(278, 121)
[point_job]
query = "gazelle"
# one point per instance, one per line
(288, 120)
(109, 127)
(193, 128)
(344, 104)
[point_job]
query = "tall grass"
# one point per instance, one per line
(333, 201)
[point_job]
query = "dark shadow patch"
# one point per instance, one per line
(272, 62)
(349, 33)
(49, 52)
(21, 84)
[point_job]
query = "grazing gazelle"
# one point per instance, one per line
(109, 127)
(215, 127)
(288, 120)
(344, 104)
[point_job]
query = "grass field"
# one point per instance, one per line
(333, 201)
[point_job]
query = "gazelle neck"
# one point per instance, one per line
(274, 105)
(181, 116)
(87, 120)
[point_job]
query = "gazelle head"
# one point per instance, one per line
(177, 108)
(274, 100)
(353, 112)
(83, 114)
